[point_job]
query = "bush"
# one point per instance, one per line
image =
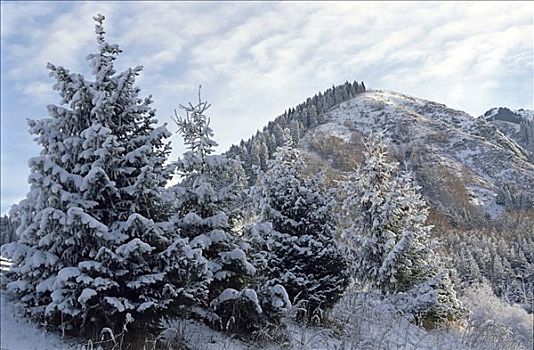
(431, 304)
(274, 301)
(239, 311)
(495, 322)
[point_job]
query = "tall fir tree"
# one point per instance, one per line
(368, 211)
(410, 257)
(295, 234)
(391, 243)
(92, 251)
(208, 204)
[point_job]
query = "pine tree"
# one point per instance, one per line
(264, 156)
(294, 126)
(410, 258)
(208, 203)
(368, 205)
(390, 240)
(312, 120)
(92, 251)
(470, 269)
(278, 132)
(255, 157)
(271, 144)
(498, 275)
(295, 234)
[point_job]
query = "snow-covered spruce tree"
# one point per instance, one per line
(366, 210)
(390, 240)
(92, 252)
(295, 237)
(410, 257)
(208, 211)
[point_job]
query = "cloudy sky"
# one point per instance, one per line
(256, 59)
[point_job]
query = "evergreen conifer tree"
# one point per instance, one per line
(296, 234)
(409, 258)
(390, 240)
(208, 205)
(368, 207)
(92, 251)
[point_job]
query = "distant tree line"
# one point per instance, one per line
(256, 151)
(504, 259)
(7, 230)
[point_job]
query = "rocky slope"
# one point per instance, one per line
(470, 169)
(517, 125)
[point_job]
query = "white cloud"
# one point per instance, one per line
(257, 59)
(18, 16)
(39, 90)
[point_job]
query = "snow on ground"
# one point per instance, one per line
(526, 113)
(485, 198)
(380, 107)
(197, 336)
(338, 130)
(372, 323)
(359, 321)
(17, 333)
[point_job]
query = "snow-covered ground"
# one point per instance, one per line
(17, 333)
(357, 323)
(526, 113)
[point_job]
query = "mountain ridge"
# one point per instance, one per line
(515, 124)
(469, 168)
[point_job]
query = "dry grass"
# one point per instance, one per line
(339, 154)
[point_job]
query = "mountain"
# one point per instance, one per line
(470, 169)
(517, 125)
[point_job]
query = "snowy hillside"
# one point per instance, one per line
(448, 150)
(517, 125)
(506, 114)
